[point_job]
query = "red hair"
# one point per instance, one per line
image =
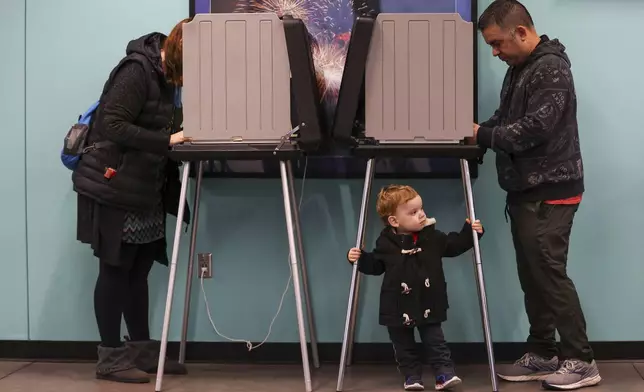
(173, 49)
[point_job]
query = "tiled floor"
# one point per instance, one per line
(73, 377)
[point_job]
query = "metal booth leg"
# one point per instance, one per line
(349, 327)
(480, 282)
(352, 322)
(173, 273)
(285, 171)
(191, 263)
(305, 278)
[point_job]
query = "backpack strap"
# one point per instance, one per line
(177, 97)
(96, 146)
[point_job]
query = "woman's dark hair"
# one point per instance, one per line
(173, 48)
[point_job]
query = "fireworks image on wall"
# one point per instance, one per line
(329, 64)
(298, 9)
(329, 22)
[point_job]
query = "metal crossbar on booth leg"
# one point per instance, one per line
(349, 329)
(286, 172)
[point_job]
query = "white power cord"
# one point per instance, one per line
(249, 344)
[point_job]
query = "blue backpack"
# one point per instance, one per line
(76, 139)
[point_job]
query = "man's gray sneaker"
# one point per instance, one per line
(530, 367)
(573, 374)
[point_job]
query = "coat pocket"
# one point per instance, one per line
(390, 305)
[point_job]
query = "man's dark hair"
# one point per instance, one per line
(505, 14)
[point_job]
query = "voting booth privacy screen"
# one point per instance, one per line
(330, 23)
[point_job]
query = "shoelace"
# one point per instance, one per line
(567, 367)
(525, 360)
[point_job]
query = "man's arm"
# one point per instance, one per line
(492, 121)
(550, 93)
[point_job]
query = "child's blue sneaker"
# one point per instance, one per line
(414, 383)
(446, 382)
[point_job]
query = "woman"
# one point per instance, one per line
(125, 188)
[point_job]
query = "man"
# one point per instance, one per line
(534, 135)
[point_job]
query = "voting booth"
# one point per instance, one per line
(253, 101)
(408, 91)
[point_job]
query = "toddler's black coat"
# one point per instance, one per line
(414, 290)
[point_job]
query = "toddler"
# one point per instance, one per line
(414, 293)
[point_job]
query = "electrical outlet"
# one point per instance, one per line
(205, 262)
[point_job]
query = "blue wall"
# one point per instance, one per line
(47, 278)
(13, 234)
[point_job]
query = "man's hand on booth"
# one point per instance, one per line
(472, 140)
